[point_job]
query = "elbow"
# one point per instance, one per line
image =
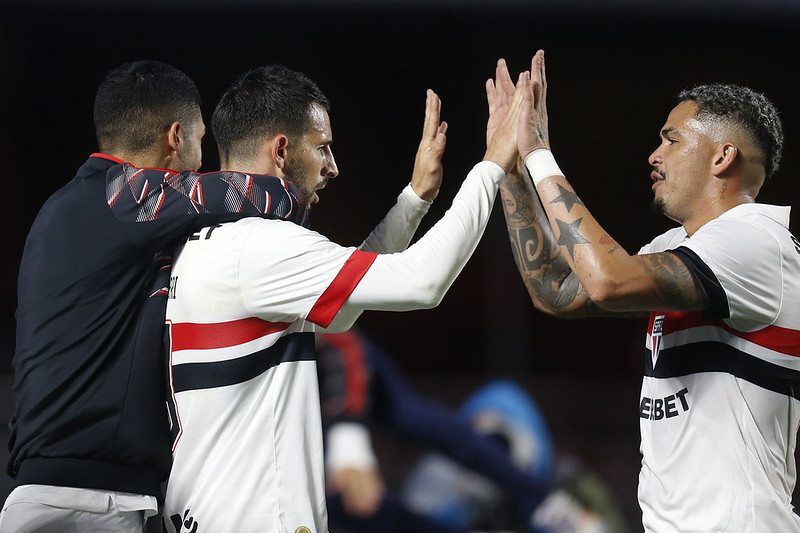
(430, 295)
(605, 291)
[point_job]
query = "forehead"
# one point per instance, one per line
(319, 123)
(683, 117)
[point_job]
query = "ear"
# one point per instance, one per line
(277, 150)
(724, 159)
(173, 137)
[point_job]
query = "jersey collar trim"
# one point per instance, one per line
(109, 157)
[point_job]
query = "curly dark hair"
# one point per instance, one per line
(746, 108)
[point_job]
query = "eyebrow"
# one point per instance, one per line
(669, 131)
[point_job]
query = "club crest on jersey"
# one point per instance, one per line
(655, 337)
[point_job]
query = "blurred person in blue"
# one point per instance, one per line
(491, 467)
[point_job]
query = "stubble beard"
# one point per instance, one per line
(296, 175)
(659, 207)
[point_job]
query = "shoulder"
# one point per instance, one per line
(666, 241)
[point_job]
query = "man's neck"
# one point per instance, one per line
(140, 159)
(714, 210)
(251, 167)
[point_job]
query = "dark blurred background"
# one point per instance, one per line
(614, 69)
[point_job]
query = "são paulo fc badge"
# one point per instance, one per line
(655, 337)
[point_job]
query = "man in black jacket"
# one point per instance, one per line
(90, 435)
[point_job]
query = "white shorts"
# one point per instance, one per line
(49, 509)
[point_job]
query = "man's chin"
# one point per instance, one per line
(658, 206)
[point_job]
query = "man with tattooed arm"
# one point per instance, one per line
(719, 406)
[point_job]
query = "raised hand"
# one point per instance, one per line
(533, 130)
(499, 95)
(427, 177)
(503, 146)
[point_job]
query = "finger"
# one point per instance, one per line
(536, 77)
(431, 116)
(491, 92)
(544, 82)
(519, 92)
(503, 78)
(441, 138)
(527, 105)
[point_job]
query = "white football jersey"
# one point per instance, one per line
(720, 400)
(244, 301)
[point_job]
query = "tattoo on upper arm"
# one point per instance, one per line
(674, 282)
(567, 197)
(569, 235)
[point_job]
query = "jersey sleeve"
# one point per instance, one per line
(290, 272)
(155, 206)
(287, 272)
(738, 267)
(419, 277)
(395, 231)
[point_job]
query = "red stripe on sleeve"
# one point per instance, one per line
(329, 303)
(190, 336)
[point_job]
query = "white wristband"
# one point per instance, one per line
(541, 164)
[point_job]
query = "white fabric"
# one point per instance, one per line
(419, 276)
(249, 455)
(46, 509)
(541, 165)
(718, 450)
(349, 446)
(395, 231)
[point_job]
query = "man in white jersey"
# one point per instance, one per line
(719, 402)
(246, 298)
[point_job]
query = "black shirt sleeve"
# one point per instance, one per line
(713, 294)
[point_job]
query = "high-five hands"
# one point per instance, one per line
(504, 119)
(427, 177)
(533, 131)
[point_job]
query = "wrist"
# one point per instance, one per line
(541, 165)
(427, 195)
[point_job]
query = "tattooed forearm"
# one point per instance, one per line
(544, 270)
(566, 197)
(517, 205)
(674, 283)
(569, 235)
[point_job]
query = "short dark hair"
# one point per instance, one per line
(137, 101)
(264, 101)
(746, 108)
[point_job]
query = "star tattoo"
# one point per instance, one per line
(569, 235)
(567, 197)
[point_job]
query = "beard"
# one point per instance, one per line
(297, 176)
(658, 206)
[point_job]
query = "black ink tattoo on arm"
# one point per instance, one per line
(546, 273)
(570, 235)
(675, 285)
(566, 197)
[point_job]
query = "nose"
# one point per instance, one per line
(330, 170)
(655, 158)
